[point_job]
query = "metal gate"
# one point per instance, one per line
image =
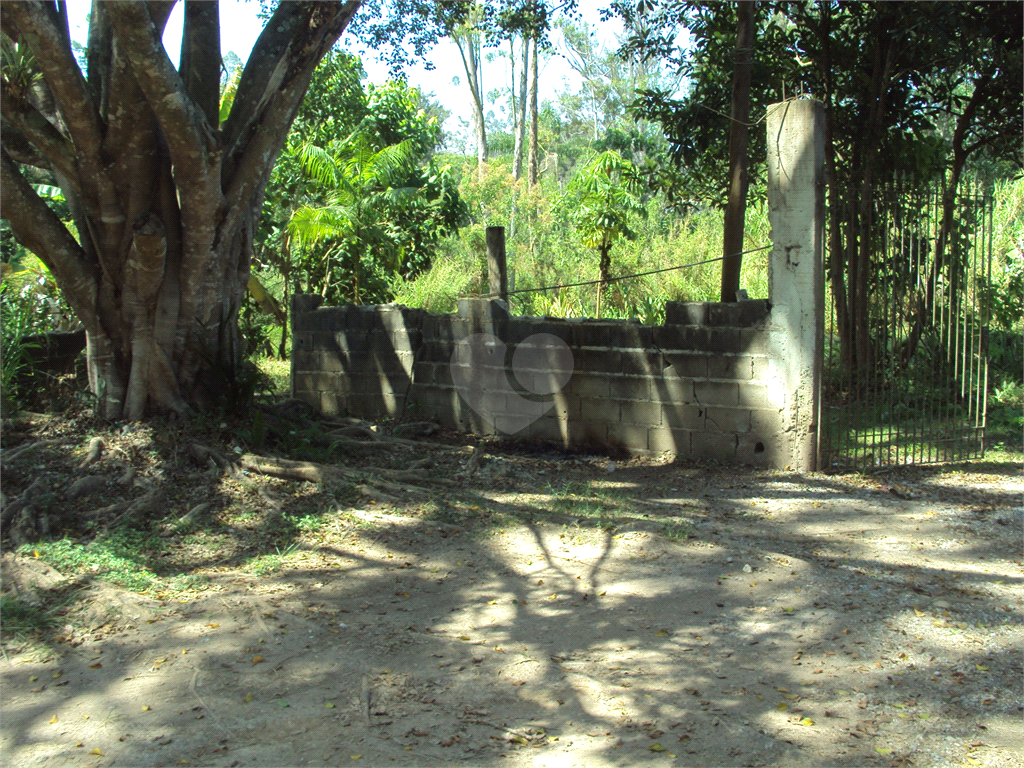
(922, 398)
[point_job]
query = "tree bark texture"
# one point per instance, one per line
(534, 159)
(469, 42)
(520, 112)
(164, 199)
(739, 137)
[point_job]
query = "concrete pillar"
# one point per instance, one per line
(796, 210)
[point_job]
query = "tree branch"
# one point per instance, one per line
(190, 139)
(40, 230)
(290, 46)
(21, 150)
(52, 52)
(200, 56)
(246, 173)
(40, 133)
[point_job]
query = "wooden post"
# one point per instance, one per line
(497, 276)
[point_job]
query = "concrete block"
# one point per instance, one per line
(538, 383)
(303, 360)
(757, 395)
(766, 422)
(599, 409)
(565, 407)
(334, 404)
(323, 382)
(382, 405)
(603, 360)
(663, 440)
(551, 429)
(760, 368)
(406, 341)
(640, 362)
(588, 385)
(437, 350)
(631, 437)
(720, 448)
(760, 452)
(724, 315)
(626, 334)
(519, 329)
(672, 389)
(636, 412)
(686, 365)
(727, 420)
(754, 341)
(753, 312)
(630, 387)
(724, 340)
(716, 393)
(686, 312)
(688, 417)
(325, 342)
(592, 333)
(730, 367)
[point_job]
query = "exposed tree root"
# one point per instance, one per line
(26, 448)
(143, 505)
(95, 451)
(373, 493)
(297, 470)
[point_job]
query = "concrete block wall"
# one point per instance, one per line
(702, 386)
(736, 383)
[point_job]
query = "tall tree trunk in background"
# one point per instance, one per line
(534, 160)
(836, 260)
(165, 198)
(939, 260)
(739, 135)
(468, 41)
(520, 110)
(859, 249)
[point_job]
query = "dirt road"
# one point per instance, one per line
(732, 618)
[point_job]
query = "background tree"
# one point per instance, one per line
(604, 196)
(468, 35)
(739, 135)
(890, 76)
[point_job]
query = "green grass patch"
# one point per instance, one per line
(677, 532)
(264, 565)
(21, 620)
(124, 557)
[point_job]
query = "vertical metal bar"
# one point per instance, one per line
(970, 296)
(936, 325)
(972, 394)
(987, 319)
(890, 330)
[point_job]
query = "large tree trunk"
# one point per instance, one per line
(164, 199)
(739, 136)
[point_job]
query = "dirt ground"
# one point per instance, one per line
(548, 610)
